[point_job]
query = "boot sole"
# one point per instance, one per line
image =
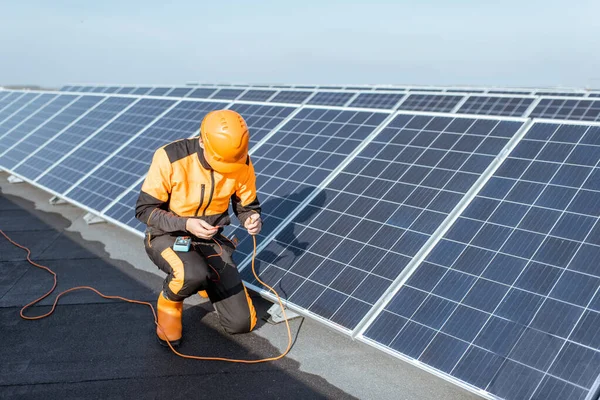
(174, 343)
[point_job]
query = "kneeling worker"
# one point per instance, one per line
(187, 193)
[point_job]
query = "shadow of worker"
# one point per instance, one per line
(289, 245)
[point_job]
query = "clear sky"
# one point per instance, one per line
(443, 42)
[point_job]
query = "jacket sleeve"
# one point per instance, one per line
(245, 200)
(152, 204)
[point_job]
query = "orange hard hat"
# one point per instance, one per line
(225, 136)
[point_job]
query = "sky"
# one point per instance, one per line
(529, 43)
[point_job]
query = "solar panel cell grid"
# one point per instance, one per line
(377, 100)
(142, 91)
(159, 91)
(509, 289)
(180, 92)
(331, 98)
(36, 102)
(32, 133)
(488, 105)
(430, 102)
(99, 148)
(14, 104)
(9, 133)
(342, 252)
(292, 97)
(262, 119)
(257, 95)
(126, 90)
(124, 168)
(227, 94)
(202, 93)
(581, 110)
(57, 147)
(295, 160)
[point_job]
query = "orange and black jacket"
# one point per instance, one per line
(181, 185)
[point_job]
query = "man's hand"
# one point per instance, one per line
(253, 224)
(200, 228)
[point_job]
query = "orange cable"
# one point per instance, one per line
(203, 358)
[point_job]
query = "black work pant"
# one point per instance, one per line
(208, 265)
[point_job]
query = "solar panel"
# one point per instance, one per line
(580, 110)
(65, 89)
(227, 94)
(22, 115)
(331, 98)
(31, 126)
(305, 87)
(124, 209)
(494, 91)
(98, 89)
(127, 90)
(424, 90)
(111, 89)
(180, 92)
(125, 167)
(293, 97)
(377, 100)
(8, 98)
(363, 88)
(159, 91)
(300, 156)
(202, 93)
(340, 254)
(15, 103)
(262, 119)
(464, 91)
(505, 300)
(257, 95)
(86, 89)
(57, 147)
(142, 91)
(430, 102)
(563, 94)
(75, 88)
(490, 105)
(101, 146)
(594, 95)
(391, 89)
(331, 87)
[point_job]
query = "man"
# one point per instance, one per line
(187, 193)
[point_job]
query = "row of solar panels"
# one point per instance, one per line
(501, 105)
(188, 90)
(466, 244)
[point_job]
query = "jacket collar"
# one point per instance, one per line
(201, 157)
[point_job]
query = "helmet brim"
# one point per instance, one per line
(223, 167)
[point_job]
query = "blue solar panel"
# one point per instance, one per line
(202, 93)
(331, 98)
(141, 91)
(377, 100)
(299, 157)
(124, 168)
(227, 94)
(563, 94)
(180, 92)
(124, 209)
(490, 105)
(34, 126)
(594, 95)
(430, 102)
(111, 89)
(505, 300)
(59, 146)
(19, 116)
(86, 89)
(257, 95)
(292, 97)
(65, 88)
(500, 91)
(159, 91)
(98, 89)
(8, 132)
(391, 89)
(363, 88)
(14, 104)
(127, 90)
(262, 119)
(580, 110)
(8, 97)
(424, 90)
(464, 91)
(347, 246)
(105, 142)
